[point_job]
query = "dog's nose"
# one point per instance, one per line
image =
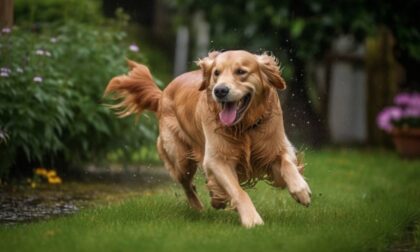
(221, 91)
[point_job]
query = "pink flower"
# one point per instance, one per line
(134, 48)
(387, 115)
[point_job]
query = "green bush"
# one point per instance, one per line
(51, 105)
(44, 11)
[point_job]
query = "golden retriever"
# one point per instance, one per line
(226, 118)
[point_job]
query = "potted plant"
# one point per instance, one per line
(402, 122)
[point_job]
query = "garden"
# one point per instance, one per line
(75, 177)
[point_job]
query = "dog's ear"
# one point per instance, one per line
(206, 65)
(270, 70)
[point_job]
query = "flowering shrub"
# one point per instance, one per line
(51, 87)
(50, 175)
(404, 114)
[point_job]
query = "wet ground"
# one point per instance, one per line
(22, 203)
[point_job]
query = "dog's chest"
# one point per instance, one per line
(258, 154)
(263, 150)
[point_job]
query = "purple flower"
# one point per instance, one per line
(407, 99)
(412, 112)
(134, 48)
(5, 72)
(402, 99)
(37, 79)
(5, 69)
(6, 30)
(415, 100)
(387, 115)
(406, 112)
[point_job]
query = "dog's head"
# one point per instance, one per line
(238, 79)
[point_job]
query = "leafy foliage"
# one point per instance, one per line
(44, 11)
(51, 86)
(305, 26)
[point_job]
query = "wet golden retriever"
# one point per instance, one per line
(226, 118)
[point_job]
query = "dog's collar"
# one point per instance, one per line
(256, 124)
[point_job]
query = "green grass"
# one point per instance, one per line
(362, 200)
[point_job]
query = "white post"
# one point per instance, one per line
(181, 50)
(202, 33)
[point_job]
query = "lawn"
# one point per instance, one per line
(362, 200)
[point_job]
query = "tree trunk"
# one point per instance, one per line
(6, 14)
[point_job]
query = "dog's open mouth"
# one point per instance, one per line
(232, 112)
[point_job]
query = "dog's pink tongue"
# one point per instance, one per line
(228, 114)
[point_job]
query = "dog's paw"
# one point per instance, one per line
(218, 204)
(252, 221)
(301, 192)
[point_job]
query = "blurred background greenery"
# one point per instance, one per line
(59, 55)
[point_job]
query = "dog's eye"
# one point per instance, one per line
(240, 71)
(216, 73)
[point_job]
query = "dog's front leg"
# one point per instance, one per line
(286, 172)
(223, 171)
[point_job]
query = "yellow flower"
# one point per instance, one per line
(51, 173)
(41, 171)
(54, 180)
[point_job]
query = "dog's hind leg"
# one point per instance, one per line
(186, 181)
(219, 197)
(180, 168)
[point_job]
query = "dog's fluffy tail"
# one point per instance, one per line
(137, 91)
